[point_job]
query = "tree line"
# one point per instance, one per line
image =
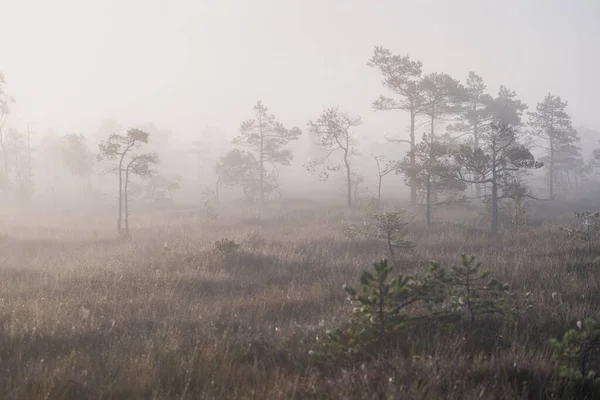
(476, 145)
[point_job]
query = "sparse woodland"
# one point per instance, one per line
(476, 283)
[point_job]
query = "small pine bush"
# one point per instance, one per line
(354, 232)
(226, 246)
(473, 292)
(391, 229)
(254, 240)
(385, 304)
(590, 229)
(383, 307)
(208, 212)
(579, 360)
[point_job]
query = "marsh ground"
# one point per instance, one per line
(164, 316)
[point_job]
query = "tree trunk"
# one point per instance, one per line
(126, 216)
(6, 180)
(246, 189)
(494, 226)
(430, 162)
(89, 187)
(428, 199)
(200, 169)
(29, 165)
(551, 171)
(379, 190)
(476, 141)
(261, 129)
(348, 178)
(217, 189)
(84, 191)
(262, 171)
(413, 184)
(390, 245)
(120, 212)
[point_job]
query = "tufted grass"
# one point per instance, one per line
(165, 317)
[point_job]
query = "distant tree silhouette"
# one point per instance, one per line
(552, 123)
(333, 129)
(241, 168)
(5, 103)
(495, 163)
(267, 138)
(124, 149)
(402, 76)
(79, 160)
(382, 171)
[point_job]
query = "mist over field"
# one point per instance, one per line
(299, 199)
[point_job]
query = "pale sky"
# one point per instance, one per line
(183, 63)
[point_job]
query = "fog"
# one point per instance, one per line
(289, 199)
(184, 64)
(191, 66)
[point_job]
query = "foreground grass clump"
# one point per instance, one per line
(140, 320)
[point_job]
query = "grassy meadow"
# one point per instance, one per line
(166, 316)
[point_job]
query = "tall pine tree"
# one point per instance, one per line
(441, 96)
(552, 123)
(267, 138)
(401, 76)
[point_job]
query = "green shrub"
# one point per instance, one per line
(391, 229)
(354, 232)
(381, 303)
(383, 307)
(226, 246)
(590, 226)
(473, 292)
(208, 212)
(386, 303)
(577, 355)
(254, 240)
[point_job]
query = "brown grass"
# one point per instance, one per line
(83, 316)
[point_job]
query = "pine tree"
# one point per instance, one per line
(474, 113)
(473, 292)
(508, 108)
(382, 171)
(570, 167)
(391, 229)
(79, 160)
(495, 163)
(577, 353)
(334, 128)
(240, 168)
(401, 76)
(6, 101)
(434, 173)
(383, 303)
(552, 123)
(123, 149)
(267, 138)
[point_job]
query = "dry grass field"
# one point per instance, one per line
(165, 316)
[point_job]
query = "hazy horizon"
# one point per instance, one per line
(187, 64)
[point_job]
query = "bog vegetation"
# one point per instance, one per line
(478, 283)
